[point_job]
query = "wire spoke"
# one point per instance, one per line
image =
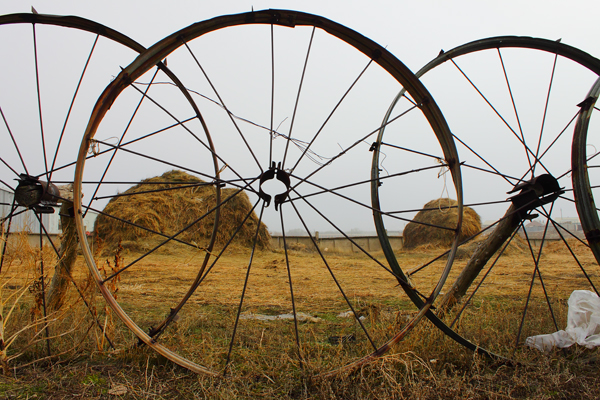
(188, 130)
(367, 206)
(170, 238)
(100, 152)
(60, 138)
(344, 151)
(337, 283)
(401, 280)
(558, 228)
(272, 96)
(223, 103)
(243, 295)
(495, 111)
(539, 144)
(202, 274)
(39, 103)
(12, 137)
(506, 178)
(512, 99)
(312, 35)
(331, 115)
(289, 272)
(487, 273)
(214, 178)
(353, 184)
(112, 157)
(194, 185)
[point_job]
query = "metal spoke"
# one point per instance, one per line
(202, 274)
(39, 103)
(289, 272)
(495, 111)
(15, 144)
(367, 206)
(401, 280)
(337, 283)
(537, 151)
(272, 96)
(170, 238)
(193, 185)
(175, 165)
(71, 107)
(112, 157)
(356, 143)
(312, 35)
(330, 115)
(223, 103)
(485, 161)
(243, 295)
(512, 100)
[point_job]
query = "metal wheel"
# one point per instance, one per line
(584, 156)
(289, 105)
(512, 103)
(46, 93)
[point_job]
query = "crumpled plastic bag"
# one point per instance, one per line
(583, 324)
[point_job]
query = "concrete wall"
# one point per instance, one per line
(340, 244)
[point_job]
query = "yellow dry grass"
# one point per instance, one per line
(155, 284)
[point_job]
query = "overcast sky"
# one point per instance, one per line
(415, 31)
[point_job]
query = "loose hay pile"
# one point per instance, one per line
(439, 212)
(169, 211)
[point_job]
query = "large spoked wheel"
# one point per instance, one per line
(47, 91)
(585, 168)
(281, 142)
(512, 103)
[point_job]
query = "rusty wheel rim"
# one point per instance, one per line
(295, 165)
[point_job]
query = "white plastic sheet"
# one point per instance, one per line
(583, 324)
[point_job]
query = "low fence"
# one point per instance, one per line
(338, 244)
(334, 244)
(368, 243)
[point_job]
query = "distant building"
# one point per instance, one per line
(28, 222)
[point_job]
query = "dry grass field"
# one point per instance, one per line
(87, 353)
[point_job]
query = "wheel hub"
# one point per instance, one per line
(534, 193)
(275, 172)
(36, 194)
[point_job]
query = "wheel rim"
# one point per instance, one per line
(263, 161)
(484, 144)
(584, 168)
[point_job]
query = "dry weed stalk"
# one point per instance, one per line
(113, 286)
(22, 323)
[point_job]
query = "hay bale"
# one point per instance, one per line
(170, 211)
(440, 212)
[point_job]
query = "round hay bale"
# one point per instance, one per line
(443, 213)
(169, 211)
